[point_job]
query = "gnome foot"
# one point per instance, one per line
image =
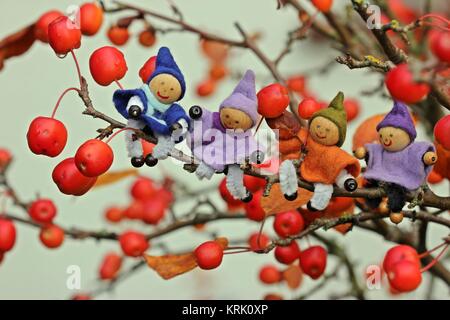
(310, 207)
(322, 196)
(248, 197)
(204, 171)
(137, 162)
(346, 181)
(288, 180)
(150, 160)
(235, 182)
(163, 148)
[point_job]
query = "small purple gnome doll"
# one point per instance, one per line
(397, 163)
(223, 140)
(152, 108)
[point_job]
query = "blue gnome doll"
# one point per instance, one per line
(153, 109)
(221, 141)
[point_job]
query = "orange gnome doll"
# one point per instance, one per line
(324, 163)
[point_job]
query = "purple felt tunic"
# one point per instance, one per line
(404, 167)
(211, 143)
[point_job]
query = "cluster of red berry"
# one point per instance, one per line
(217, 54)
(119, 34)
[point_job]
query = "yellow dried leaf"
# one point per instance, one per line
(276, 203)
(170, 266)
(114, 176)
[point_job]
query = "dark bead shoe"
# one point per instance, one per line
(137, 162)
(291, 197)
(248, 197)
(350, 185)
(150, 160)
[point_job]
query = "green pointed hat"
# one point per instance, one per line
(336, 114)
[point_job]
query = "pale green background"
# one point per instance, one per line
(30, 86)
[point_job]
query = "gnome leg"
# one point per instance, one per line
(204, 171)
(396, 197)
(322, 196)
(134, 145)
(288, 180)
(235, 183)
(373, 202)
(163, 148)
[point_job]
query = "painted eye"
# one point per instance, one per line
(381, 136)
(171, 89)
(327, 130)
(237, 122)
(163, 83)
(391, 135)
(318, 126)
(227, 116)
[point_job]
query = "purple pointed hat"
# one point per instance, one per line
(399, 117)
(243, 97)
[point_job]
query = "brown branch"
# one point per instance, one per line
(394, 54)
(368, 62)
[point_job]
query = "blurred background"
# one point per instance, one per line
(30, 85)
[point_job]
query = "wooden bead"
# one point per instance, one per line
(360, 153)
(396, 217)
(430, 158)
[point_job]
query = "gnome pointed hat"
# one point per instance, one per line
(165, 64)
(336, 114)
(399, 117)
(243, 97)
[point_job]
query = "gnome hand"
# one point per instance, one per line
(429, 158)
(360, 153)
(195, 112)
(179, 130)
(204, 171)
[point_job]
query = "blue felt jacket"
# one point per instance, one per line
(159, 122)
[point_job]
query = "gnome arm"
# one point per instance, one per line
(175, 114)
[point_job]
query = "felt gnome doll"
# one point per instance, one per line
(324, 163)
(223, 140)
(397, 162)
(152, 108)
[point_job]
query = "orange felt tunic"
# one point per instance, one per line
(322, 164)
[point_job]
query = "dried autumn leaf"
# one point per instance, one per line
(223, 242)
(442, 166)
(286, 124)
(114, 176)
(170, 266)
(16, 44)
(293, 276)
(275, 201)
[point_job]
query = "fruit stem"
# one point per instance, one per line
(78, 67)
(433, 24)
(60, 99)
(435, 260)
(427, 253)
(119, 131)
(119, 84)
(237, 251)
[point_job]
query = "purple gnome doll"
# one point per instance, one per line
(397, 163)
(223, 140)
(152, 108)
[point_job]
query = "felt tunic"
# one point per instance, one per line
(404, 168)
(322, 164)
(216, 146)
(159, 122)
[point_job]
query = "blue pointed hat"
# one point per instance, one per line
(399, 117)
(165, 64)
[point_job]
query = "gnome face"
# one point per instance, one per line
(165, 88)
(235, 119)
(394, 139)
(324, 131)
